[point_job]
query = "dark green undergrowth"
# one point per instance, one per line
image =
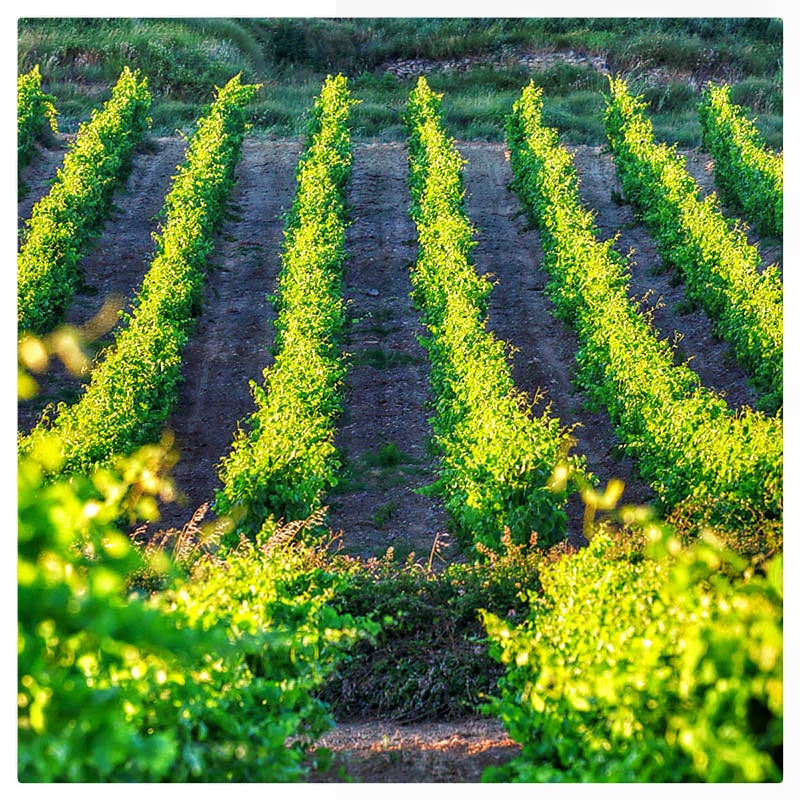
(430, 660)
(182, 57)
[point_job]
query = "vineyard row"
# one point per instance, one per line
(132, 388)
(283, 459)
(748, 175)
(715, 465)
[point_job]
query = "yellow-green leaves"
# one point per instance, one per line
(35, 109)
(72, 212)
(716, 466)
(497, 458)
(720, 269)
(662, 669)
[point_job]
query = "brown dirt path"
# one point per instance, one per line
(382, 752)
(231, 345)
(35, 178)
(383, 434)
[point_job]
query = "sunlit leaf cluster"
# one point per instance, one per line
(665, 668)
(36, 112)
(212, 678)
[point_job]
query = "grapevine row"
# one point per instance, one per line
(64, 221)
(133, 386)
(719, 267)
(283, 460)
(748, 175)
(497, 459)
(720, 467)
(35, 109)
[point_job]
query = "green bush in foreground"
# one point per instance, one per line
(212, 678)
(668, 667)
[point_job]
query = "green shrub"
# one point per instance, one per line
(430, 660)
(213, 678)
(496, 459)
(669, 668)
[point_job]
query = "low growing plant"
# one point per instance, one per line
(655, 669)
(496, 457)
(212, 678)
(283, 459)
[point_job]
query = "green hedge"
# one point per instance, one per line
(748, 175)
(71, 214)
(132, 388)
(718, 467)
(719, 267)
(667, 668)
(211, 678)
(35, 110)
(497, 460)
(283, 459)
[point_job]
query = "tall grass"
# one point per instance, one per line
(183, 57)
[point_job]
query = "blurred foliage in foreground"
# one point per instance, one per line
(137, 666)
(656, 667)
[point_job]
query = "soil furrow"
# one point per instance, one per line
(383, 433)
(231, 345)
(37, 176)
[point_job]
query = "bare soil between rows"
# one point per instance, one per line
(384, 431)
